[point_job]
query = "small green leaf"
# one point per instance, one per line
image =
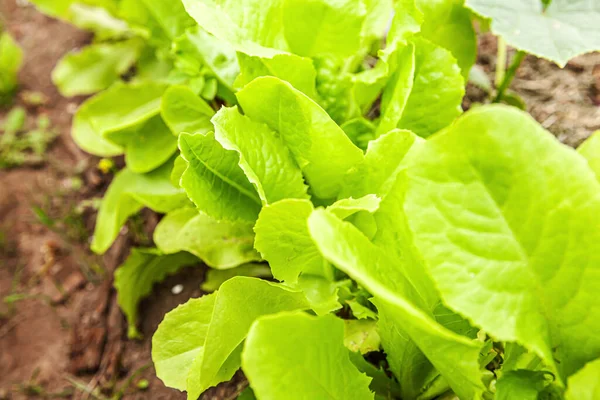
(311, 352)
(183, 111)
(361, 336)
(129, 193)
(283, 240)
(11, 58)
(142, 269)
(94, 68)
(521, 384)
(220, 244)
(345, 208)
(214, 181)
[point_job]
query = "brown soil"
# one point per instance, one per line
(61, 326)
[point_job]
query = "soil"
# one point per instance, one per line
(61, 332)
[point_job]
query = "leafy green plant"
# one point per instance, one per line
(456, 249)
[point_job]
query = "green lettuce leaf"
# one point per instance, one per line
(361, 335)
(453, 355)
(447, 23)
(183, 111)
(220, 244)
(214, 181)
(319, 145)
(95, 67)
(282, 238)
(562, 30)
(311, 352)
(590, 150)
(263, 156)
(170, 16)
(134, 279)
(127, 194)
(585, 384)
(521, 384)
(436, 95)
(498, 221)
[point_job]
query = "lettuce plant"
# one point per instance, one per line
(414, 251)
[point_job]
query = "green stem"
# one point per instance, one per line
(501, 61)
(510, 75)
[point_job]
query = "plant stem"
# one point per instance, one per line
(510, 75)
(501, 61)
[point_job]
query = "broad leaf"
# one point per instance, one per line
(476, 199)
(454, 356)
(183, 111)
(129, 193)
(220, 244)
(563, 30)
(521, 384)
(94, 68)
(216, 277)
(214, 181)
(320, 147)
(135, 278)
(311, 352)
(263, 156)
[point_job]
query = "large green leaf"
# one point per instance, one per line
(454, 356)
(220, 244)
(585, 384)
(127, 194)
(297, 356)
(184, 111)
(590, 149)
(320, 147)
(135, 278)
(510, 243)
(521, 384)
(263, 156)
(94, 68)
(563, 30)
(447, 23)
(214, 181)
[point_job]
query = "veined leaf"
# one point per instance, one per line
(214, 181)
(318, 144)
(220, 244)
(311, 350)
(454, 356)
(590, 150)
(183, 111)
(263, 156)
(562, 30)
(94, 68)
(497, 221)
(129, 193)
(135, 278)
